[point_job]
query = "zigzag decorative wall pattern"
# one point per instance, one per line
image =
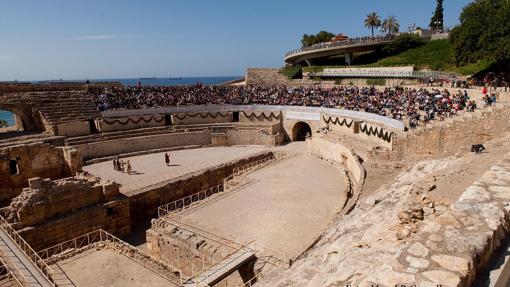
(337, 121)
(131, 120)
(271, 116)
(202, 115)
(376, 131)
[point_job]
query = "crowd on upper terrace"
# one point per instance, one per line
(397, 103)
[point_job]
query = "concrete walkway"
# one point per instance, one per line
(14, 256)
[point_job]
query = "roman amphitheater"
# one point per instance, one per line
(253, 195)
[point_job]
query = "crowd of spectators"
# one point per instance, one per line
(398, 103)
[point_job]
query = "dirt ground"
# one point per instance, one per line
(108, 268)
(284, 209)
(151, 169)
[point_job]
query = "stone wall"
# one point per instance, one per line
(73, 129)
(106, 125)
(34, 160)
(272, 77)
(452, 135)
(144, 203)
(249, 137)
(44, 198)
(49, 212)
(127, 145)
(338, 153)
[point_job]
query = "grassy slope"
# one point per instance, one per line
(434, 55)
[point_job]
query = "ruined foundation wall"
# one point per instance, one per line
(451, 136)
(49, 212)
(34, 160)
(112, 217)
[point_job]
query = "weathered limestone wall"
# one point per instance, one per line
(337, 153)
(202, 118)
(106, 125)
(49, 212)
(45, 198)
(249, 137)
(73, 129)
(452, 135)
(398, 236)
(127, 145)
(144, 203)
(112, 217)
(272, 77)
(182, 248)
(34, 160)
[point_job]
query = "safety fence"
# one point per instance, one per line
(365, 73)
(74, 246)
(188, 201)
(35, 259)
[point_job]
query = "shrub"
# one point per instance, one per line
(292, 72)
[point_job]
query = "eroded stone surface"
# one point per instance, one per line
(438, 250)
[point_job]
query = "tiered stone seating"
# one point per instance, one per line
(58, 108)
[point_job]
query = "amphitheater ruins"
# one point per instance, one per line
(252, 195)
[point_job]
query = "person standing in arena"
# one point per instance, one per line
(167, 158)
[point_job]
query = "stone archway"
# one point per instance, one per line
(18, 117)
(301, 131)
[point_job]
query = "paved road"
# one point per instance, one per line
(16, 257)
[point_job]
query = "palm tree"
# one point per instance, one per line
(372, 21)
(390, 25)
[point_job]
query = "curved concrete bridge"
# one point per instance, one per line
(346, 48)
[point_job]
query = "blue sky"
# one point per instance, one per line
(70, 39)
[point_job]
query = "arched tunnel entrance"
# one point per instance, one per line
(9, 120)
(301, 131)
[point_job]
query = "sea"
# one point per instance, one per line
(9, 117)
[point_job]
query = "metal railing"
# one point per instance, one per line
(226, 247)
(352, 41)
(37, 261)
(10, 273)
(75, 245)
(188, 201)
(352, 73)
(254, 165)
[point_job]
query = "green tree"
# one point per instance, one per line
(3, 124)
(390, 25)
(372, 21)
(321, 37)
(483, 33)
(437, 20)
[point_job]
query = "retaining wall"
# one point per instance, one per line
(128, 145)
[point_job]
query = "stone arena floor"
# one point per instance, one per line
(151, 169)
(109, 268)
(284, 209)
